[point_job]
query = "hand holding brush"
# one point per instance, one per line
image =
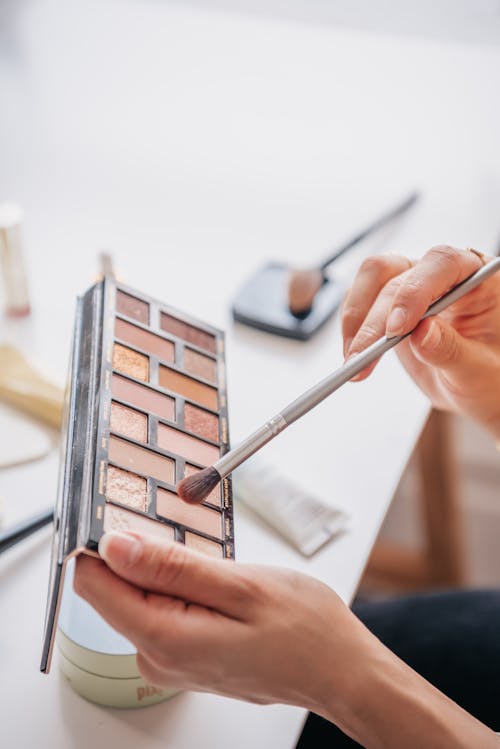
(196, 487)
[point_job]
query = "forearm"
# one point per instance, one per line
(389, 706)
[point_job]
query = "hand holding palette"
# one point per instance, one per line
(146, 406)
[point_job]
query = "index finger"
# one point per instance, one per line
(173, 569)
(440, 269)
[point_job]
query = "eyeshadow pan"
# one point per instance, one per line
(143, 397)
(126, 488)
(120, 519)
(212, 548)
(189, 447)
(189, 388)
(200, 365)
(215, 496)
(130, 362)
(129, 333)
(201, 422)
(188, 333)
(132, 307)
(142, 460)
(198, 517)
(131, 423)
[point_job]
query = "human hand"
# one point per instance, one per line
(255, 633)
(453, 357)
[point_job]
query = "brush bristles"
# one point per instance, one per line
(197, 487)
(302, 289)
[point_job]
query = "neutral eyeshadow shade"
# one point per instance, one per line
(198, 517)
(189, 388)
(188, 333)
(144, 340)
(200, 365)
(130, 362)
(126, 488)
(142, 460)
(215, 496)
(132, 307)
(128, 422)
(201, 422)
(120, 519)
(204, 545)
(189, 447)
(143, 397)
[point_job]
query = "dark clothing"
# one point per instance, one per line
(452, 639)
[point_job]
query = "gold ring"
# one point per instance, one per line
(478, 254)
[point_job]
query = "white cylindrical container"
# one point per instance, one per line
(17, 301)
(99, 663)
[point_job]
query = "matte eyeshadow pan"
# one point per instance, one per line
(187, 332)
(144, 340)
(189, 447)
(142, 460)
(198, 517)
(120, 519)
(126, 488)
(200, 365)
(143, 397)
(201, 422)
(204, 545)
(189, 388)
(128, 422)
(132, 307)
(130, 362)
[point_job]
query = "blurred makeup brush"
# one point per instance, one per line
(24, 529)
(198, 486)
(305, 284)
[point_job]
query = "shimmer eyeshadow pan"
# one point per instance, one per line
(130, 362)
(129, 422)
(146, 405)
(201, 422)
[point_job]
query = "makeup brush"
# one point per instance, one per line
(196, 487)
(24, 529)
(305, 284)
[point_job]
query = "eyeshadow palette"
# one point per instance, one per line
(146, 406)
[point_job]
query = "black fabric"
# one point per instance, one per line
(451, 638)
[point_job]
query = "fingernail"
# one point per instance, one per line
(432, 338)
(396, 321)
(120, 548)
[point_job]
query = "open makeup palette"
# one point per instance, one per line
(146, 405)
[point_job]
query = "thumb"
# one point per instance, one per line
(172, 569)
(437, 343)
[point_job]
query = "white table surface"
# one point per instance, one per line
(196, 145)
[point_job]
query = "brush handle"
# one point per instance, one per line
(311, 398)
(15, 534)
(384, 219)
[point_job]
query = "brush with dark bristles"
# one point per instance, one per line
(198, 486)
(304, 284)
(24, 529)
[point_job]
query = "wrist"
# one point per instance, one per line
(386, 705)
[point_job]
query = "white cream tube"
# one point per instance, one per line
(305, 521)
